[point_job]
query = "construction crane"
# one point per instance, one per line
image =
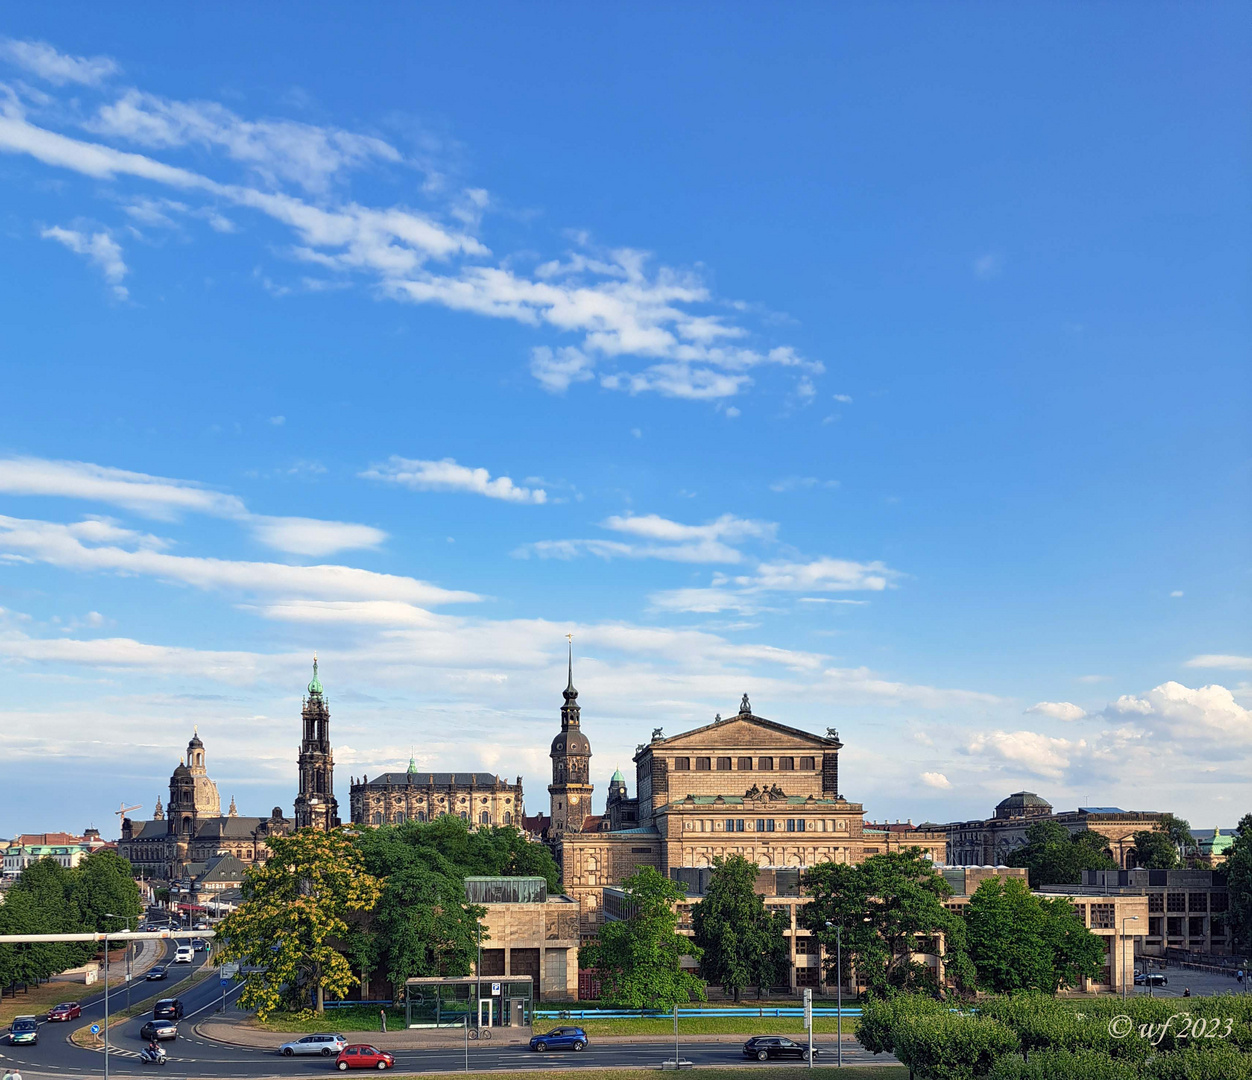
(121, 813)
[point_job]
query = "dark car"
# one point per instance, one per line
(562, 1038)
(156, 974)
(168, 1009)
(158, 1029)
(363, 1056)
(67, 1010)
(1151, 978)
(765, 1047)
(199, 944)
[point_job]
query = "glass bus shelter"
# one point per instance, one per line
(499, 1001)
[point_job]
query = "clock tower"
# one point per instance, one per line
(570, 790)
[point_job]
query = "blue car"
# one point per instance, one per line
(562, 1038)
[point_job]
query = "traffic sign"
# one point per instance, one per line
(495, 989)
(95, 1029)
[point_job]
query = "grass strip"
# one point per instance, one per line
(764, 1072)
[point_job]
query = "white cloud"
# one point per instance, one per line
(166, 499)
(1042, 755)
(63, 546)
(1206, 713)
(278, 421)
(447, 475)
(1176, 593)
(40, 58)
(726, 527)
(623, 308)
(1058, 710)
(701, 601)
(555, 370)
(801, 483)
(667, 540)
(99, 248)
(846, 399)
(936, 780)
(820, 575)
(1221, 660)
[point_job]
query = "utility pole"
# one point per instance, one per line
(106, 1005)
(839, 992)
(808, 1020)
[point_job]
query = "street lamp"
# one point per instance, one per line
(1129, 918)
(126, 919)
(838, 994)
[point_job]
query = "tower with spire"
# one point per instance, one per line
(570, 790)
(316, 804)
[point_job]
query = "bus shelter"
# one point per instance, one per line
(502, 1001)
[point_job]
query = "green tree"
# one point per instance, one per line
(1053, 857)
(1238, 869)
(423, 926)
(952, 1046)
(294, 918)
(742, 943)
(1155, 850)
(887, 908)
(1019, 941)
(52, 910)
(103, 884)
(638, 958)
(1179, 832)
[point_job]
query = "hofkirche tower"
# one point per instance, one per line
(570, 789)
(316, 804)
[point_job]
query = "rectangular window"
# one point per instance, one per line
(1102, 917)
(554, 968)
(738, 824)
(1198, 901)
(791, 824)
(745, 764)
(808, 763)
(641, 851)
(786, 764)
(682, 764)
(766, 764)
(1221, 901)
(723, 764)
(1195, 926)
(769, 826)
(1173, 926)
(1156, 902)
(806, 976)
(760, 824)
(802, 946)
(1176, 901)
(1080, 913)
(799, 824)
(1154, 927)
(703, 764)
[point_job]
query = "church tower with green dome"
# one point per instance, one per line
(316, 804)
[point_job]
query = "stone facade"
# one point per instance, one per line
(990, 841)
(743, 785)
(192, 830)
(537, 939)
(392, 798)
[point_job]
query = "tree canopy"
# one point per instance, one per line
(886, 908)
(742, 942)
(294, 915)
(1155, 850)
(638, 958)
(1019, 941)
(1053, 857)
(1238, 869)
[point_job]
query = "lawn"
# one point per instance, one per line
(748, 1024)
(347, 1018)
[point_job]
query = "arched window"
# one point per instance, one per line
(508, 818)
(421, 815)
(377, 819)
(398, 818)
(464, 816)
(484, 818)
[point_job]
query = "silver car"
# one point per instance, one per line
(326, 1045)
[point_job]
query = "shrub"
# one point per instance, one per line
(951, 1046)
(1204, 1061)
(880, 1015)
(1063, 1065)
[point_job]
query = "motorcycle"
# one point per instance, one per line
(153, 1056)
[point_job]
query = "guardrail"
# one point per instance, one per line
(656, 1014)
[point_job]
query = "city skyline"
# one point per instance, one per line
(900, 387)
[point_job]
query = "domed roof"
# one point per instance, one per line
(618, 778)
(195, 739)
(572, 741)
(182, 770)
(1023, 804)
(315, 686)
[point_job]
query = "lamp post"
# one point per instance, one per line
(126, 919)
(1129, 918)
(838, 994)
(106, 1005)
(478, 976)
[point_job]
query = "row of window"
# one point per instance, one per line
(762, 825)
(399, 817)
(744, 764)
(1182, 902)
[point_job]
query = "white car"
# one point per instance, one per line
(185, 955)
(326, 1045)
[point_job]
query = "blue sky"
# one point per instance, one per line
(887, 363)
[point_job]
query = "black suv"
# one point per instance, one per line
(168, 1009)
(764, 1047)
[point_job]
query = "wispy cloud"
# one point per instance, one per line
(447, 475)
(642, 327)
(41, 59)
(1221, 660)
(165, 499)
(661, 538)
(1058, 710)
(801, 483)
(100, 249)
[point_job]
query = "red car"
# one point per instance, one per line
(363, 1056)
(67, 1010)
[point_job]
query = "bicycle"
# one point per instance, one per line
(480, 1033)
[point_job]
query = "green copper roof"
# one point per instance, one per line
(617, 777)
(412, 765)
(315, 687)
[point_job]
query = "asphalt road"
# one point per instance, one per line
(192, 1057)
